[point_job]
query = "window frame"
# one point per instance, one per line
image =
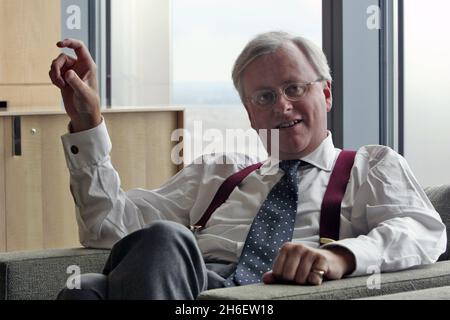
(389, 125)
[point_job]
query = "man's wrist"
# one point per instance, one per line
(345, 257)
(84, 124)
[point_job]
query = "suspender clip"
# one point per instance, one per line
(324, 241)
(195, 229)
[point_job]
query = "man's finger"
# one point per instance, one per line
(78, 86)
(291, 265)
(315, 279)
(278, 265)
(319, 270)
(78, 46)
(304, 268)
(54, 80)
(268, 278)
(58, 68)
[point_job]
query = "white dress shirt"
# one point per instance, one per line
(387, 221)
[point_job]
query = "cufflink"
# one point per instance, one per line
(74, 149)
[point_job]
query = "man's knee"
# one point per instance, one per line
(156, 232)
(93, 286)
(164, 232)
(159, 238)
(163, 240)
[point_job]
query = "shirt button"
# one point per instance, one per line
(74, 149)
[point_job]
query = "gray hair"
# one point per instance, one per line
(269, 42)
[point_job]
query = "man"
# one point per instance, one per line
(386, 220)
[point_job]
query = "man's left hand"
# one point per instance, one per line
(299, 264)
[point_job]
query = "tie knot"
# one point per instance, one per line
(290, 166)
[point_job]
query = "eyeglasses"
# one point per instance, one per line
(292, 92)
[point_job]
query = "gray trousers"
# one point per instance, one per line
(160, 262)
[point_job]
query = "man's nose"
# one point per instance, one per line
(282, 104)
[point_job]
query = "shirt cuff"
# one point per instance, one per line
(86, 148)
(367, 259)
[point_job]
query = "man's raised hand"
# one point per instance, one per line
(77, 79)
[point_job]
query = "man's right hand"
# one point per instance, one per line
(77, 79)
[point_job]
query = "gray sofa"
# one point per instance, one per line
(41, 274)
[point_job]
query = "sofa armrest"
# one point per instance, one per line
(40, 275)
(440, 293)
(439, 197)
(436, 275)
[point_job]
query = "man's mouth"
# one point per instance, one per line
(289, 124)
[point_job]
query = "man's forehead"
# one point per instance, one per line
(287, 63)
(288, 53)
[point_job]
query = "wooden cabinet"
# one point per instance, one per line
(29, 30)
(36, 207)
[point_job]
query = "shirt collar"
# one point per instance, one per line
(322, 158)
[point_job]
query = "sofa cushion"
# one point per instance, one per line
(441, 293)
(40, 275)
(440, 198)
(435, 275)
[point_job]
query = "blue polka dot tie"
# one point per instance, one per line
(271, 228)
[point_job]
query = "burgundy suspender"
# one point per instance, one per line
(330, 214)
(331, 205)
(223, 193)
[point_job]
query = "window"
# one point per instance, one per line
(207, 37)
(140, 53)
(182, 52)
(427, 98)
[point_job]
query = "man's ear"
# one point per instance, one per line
(328, 95)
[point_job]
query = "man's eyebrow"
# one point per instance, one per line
(294, 80)
(284, 83)
(263, 88)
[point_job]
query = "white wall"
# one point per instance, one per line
(427, 90)
(140, 66)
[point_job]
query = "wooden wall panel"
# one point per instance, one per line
(24, 96)
(2, 188)
(37, 210)
(141, 153)
(127, 132)
(59, 223)
(24, 216)
(40, 209)
(29, 30)
(159, 147)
